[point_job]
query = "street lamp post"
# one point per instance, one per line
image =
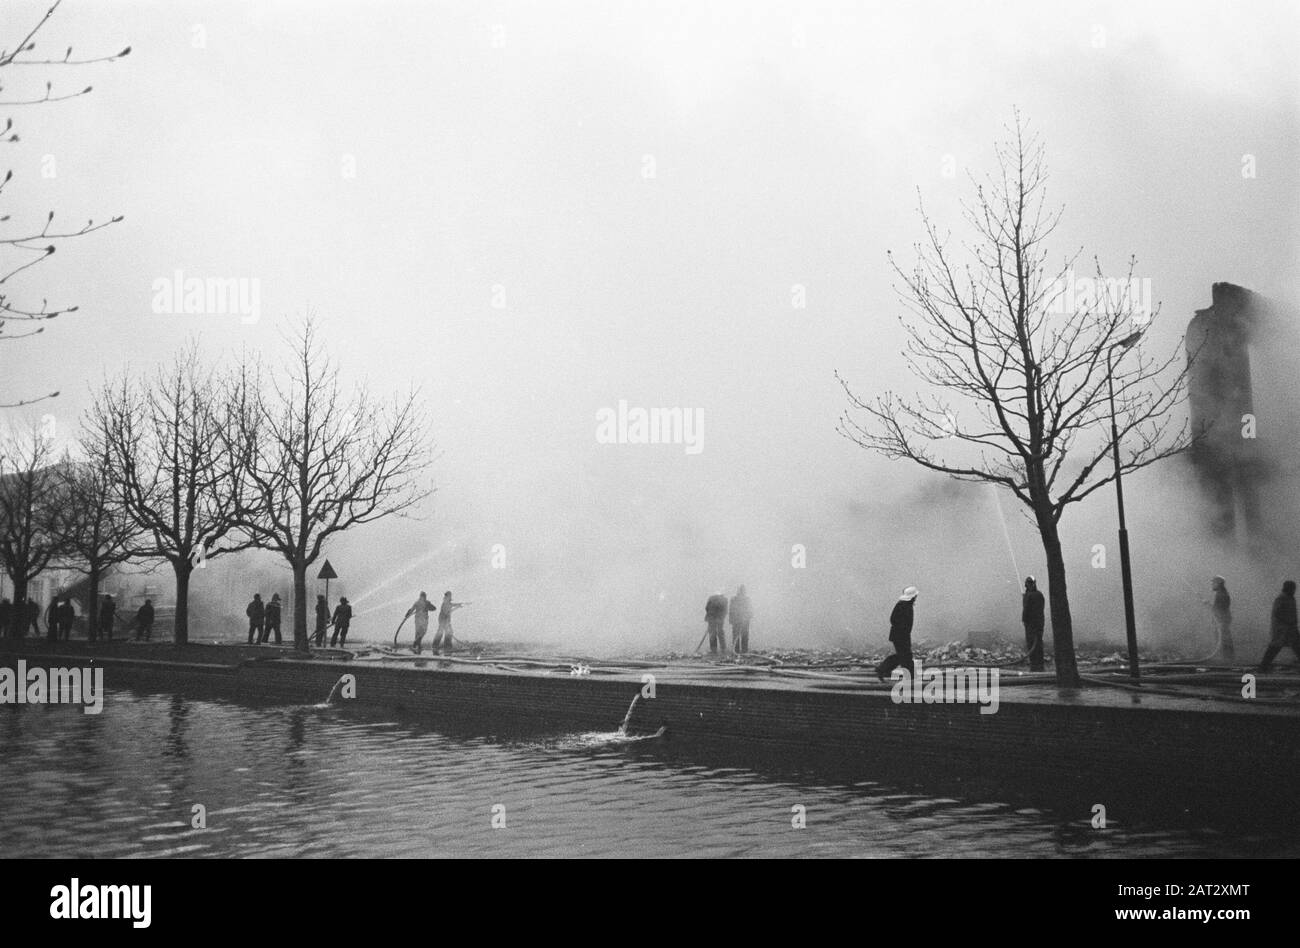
(1126, 571)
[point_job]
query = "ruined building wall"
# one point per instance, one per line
(1244, 399)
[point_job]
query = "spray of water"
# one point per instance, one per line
(394, 578)
(334, 693)
(1006, 534)
(383, 607)
(627, 718)
(604, 739)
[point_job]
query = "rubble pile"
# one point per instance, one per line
(997, 651)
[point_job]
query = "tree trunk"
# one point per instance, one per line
(92, 616)
(1067, 671)
(50, 628)
(300, 607)
(19, 613)
(182, 631)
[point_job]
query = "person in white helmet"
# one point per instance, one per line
(443, 635)
(1221, 607)
(900, 633)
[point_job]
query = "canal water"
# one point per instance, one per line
(312, 781)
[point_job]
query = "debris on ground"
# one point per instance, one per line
(996, 651)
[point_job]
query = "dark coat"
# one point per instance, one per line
(256, 611)
(1284, 619)
(322, 614)
(342, 615)
(1034, 608)
(900, 623)
(144, 615)
(715, 608)
(273, 613)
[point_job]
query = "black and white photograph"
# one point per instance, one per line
(572, 430)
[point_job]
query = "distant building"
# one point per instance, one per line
(1243, 362)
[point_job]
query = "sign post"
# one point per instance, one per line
(327, 573)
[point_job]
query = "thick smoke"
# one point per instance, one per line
(616, 548)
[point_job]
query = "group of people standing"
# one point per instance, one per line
(264, 621)
(17, 617)
(341, 621)
(1284, 625)
(61, 617)
(143, 623)
(717, 610)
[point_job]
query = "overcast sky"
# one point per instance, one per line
(641, 185)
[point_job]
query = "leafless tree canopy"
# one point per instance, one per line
(30, 536)
(1017, 380)
(95, 526)
(168, 457)
(318, 460)
(25, 244)
(1021, 385)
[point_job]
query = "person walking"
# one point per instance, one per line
(342, 619)
(444, 622)
(144, 622)
(715, 614)
(1285, 631)
(900, 634)
(420, 609)
(739, 613)
(256, 613)
(322, 620)
(272, 620)
(107, 612)
(1033, 610)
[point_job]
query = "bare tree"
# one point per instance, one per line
(96, 529)
(321, 460)
(996, 333)
(30, 540)
(168, 458)
(25, 246)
